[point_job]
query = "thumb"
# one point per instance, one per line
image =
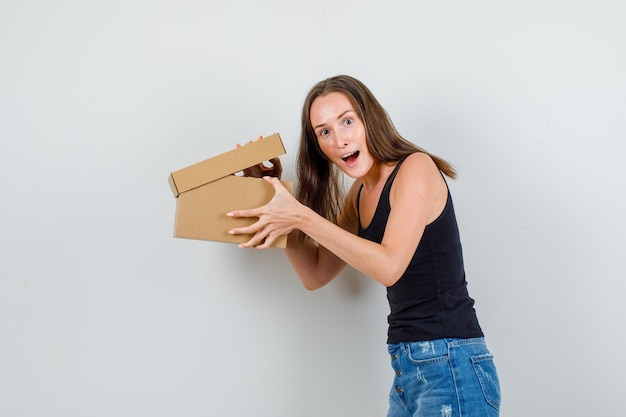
(275, 182)
(272, 180)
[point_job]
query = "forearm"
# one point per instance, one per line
(370, 258)
(318, 263)
(314, 265)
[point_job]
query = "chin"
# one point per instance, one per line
(353, 173)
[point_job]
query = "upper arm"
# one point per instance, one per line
(417, 197)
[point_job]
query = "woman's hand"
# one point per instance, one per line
(276, 218)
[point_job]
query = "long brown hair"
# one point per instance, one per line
(319, 185)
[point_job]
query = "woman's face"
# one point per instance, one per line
(341, 134)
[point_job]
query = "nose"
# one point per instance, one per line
(342, 139)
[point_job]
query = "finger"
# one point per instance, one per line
(275, 182)
(256, 241)
(247, 230)
(245, 213)
(267, 242)
(248, 244)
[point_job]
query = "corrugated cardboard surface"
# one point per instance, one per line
(225, 164)
(201, 213)
(206, 191)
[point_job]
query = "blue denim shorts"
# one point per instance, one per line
(445, 377)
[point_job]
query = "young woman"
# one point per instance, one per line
(397, 225)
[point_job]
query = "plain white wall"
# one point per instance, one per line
(103, 313)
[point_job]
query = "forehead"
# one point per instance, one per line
(328, 107)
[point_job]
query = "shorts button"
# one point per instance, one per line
(399, 372)
(399, 390)
(394, 357)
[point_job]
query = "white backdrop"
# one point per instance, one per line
(103, 313)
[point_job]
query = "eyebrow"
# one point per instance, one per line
(338, 117)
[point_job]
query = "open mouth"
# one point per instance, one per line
(351, 157)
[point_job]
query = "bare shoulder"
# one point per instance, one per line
(420, 161)
(420, 174)
(419, 168)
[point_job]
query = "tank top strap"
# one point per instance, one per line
(386, 188)
(393, 174)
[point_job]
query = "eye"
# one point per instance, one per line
(348, 121)
(322, 133)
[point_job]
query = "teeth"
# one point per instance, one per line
(348, 155)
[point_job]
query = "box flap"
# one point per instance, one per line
(225, 164)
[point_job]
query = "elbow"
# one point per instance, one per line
(315, 282)
(310, 287)
(312, 284)
(389, 278)
(388, 282)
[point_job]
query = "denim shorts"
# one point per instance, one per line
(445, 377)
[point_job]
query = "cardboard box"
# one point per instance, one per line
(206, 191)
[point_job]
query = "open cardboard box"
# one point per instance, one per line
(206, 191)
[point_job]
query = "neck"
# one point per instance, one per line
(377, 175)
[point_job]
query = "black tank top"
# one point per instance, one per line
(430, 301)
